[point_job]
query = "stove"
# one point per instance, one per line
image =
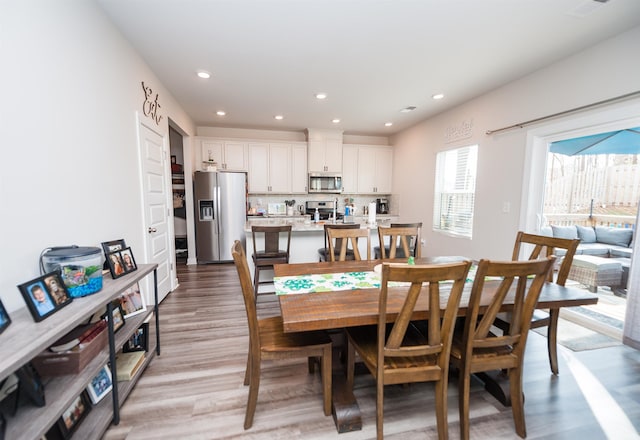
(325, 209)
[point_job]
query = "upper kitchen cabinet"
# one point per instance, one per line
(325, 151)
(350, 169)
(375, 165)
(277, 168)
(299, 177)
(229, 155)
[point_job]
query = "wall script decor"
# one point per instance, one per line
(150, 108)
(463, 130)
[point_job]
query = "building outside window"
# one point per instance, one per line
(455, 188)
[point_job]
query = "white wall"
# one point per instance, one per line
(70, 172)
(604, 71)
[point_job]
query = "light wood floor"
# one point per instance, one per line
(194, 390)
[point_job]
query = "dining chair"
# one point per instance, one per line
(476, 348)
(404, 241)
(268, 341)
(400, 353)
(543, 318)
(324, 252)
(347, 236)
(264, 258)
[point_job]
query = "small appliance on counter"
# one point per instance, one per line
(382, 206)
(325, 209)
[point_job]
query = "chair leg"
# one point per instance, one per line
(552, 340)
(256, 282)
(464, 385)
(252, 400)
(326, 379)
(441, 408)
(247, 371)
(379, 408)
(517, 400)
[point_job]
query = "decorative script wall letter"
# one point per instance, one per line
(151, 108)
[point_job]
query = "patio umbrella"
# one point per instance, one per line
(625, 141)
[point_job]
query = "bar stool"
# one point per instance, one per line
(271, 253)
(402, 231)
(323, 253)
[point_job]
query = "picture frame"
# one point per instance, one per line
(115, 264)
(100, 385)
(132, 301)
(139, 340)
(39, 298)
(113, 245)
(5, 320)
(74, 415)
(117, 315)
(129, 263)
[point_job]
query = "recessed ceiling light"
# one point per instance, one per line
(321, 95)
(204, 74)
(335, 121)
(438, 96)
(279, 117)
(408, 109)
(388, 124)
(221, 113)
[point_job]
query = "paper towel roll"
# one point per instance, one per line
(372, 213)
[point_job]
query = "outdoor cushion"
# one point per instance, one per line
(564, 231)
(617, 236)
(586, 234)
(597, 249)
(619, 251)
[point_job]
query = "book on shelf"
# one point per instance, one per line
(82, 334)
(128, 364)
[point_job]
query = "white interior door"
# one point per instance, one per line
(157, 214)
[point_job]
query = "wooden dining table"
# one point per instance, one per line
(356, 307)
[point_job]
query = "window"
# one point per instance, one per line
(455, 188)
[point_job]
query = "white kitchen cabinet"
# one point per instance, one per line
(230, 155)
(325, 156)
(299, 176)
(269, 168)
(375, 165)
(350, 169)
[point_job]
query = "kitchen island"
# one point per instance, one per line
(307, 237)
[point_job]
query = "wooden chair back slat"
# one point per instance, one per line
(347, 237)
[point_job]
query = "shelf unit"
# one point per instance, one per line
(24, 339)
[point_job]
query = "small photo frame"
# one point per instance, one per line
(118, 316)
(132, 301)
(113, 246)
(129, 263)
(100, 385)
(30, 385)
(115, 264)
(5, 320)
(139, 340)
(73, 415)
(39, 298)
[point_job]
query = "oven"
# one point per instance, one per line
(325, 209)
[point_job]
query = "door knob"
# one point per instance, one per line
(152, 230)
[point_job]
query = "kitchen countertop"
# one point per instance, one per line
(299, 224)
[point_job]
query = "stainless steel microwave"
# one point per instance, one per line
(328, 183)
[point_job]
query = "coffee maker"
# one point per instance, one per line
(382, 206)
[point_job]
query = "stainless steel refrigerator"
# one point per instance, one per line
(221, 212)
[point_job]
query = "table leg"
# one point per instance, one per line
(345, 409)
(497, 384)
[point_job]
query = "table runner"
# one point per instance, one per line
(331, 282)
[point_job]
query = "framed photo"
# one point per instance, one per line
(139, 340)
(4, 318)
(40, 299)
(73, 415)
(112, 246)
(100, 385)
(115, 264)
(117, 315)
(129, 263)
(132, 301)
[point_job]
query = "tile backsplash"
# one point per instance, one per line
(359, 201)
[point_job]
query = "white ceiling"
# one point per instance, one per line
(372, 57)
